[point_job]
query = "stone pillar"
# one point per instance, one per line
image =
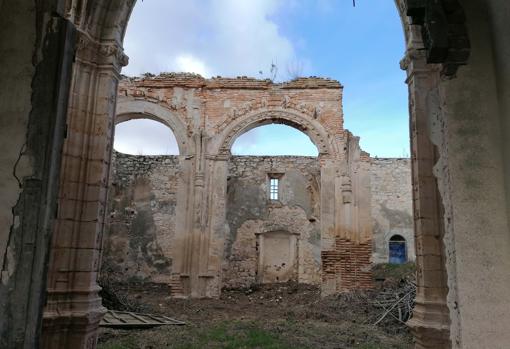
(430, 322)
(73, 310)
(364, 200)
(328, 219)
(179, 284)
(215, 218)
(201, 229)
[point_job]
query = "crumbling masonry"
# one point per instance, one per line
(60, 64)
(216, 225)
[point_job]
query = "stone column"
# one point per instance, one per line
(215, 218)
(179, 284)
(73, 310)
(364, 200)
(202, 227)
(328, 219)
(430, 322)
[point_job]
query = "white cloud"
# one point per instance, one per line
(188, 63)
(145, 137)
(210, 37)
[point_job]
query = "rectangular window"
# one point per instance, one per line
(273, 188)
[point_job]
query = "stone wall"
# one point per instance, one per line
(252, 217)
(206, 117)
(140, 243)
(140, 239)
(392, 205)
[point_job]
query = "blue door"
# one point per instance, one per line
(398, 252)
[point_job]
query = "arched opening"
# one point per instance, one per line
(289, 198)
(273, 173)
(145, 137)
(85, 173)
(274, 140)
(397, 250)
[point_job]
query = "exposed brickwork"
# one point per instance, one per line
(351, 261)
(197, 235)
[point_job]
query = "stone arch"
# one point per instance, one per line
(101, 26)
(99, 19)
(100, 55)
(129, 109)
(312, 128)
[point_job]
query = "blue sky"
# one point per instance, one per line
(359, 46)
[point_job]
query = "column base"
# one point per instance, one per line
(430, 326)
(71, 320)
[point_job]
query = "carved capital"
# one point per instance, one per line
(107, 53)
(412, 55)
(443, 32)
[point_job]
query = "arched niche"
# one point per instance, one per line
(129, 109)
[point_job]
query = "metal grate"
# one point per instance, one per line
(126, 319)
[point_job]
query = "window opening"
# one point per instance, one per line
(274, 188)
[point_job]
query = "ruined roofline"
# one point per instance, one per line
(391, 158)
(125, 155)
(190, 80)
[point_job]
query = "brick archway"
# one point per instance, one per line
(322, 139)
(128, 109)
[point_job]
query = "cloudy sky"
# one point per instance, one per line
(359, 46)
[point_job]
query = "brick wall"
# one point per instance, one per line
(352, 262)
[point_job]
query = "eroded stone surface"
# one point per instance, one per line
(141, 239)
(213, 231)
(392, 205)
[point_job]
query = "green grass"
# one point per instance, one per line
(236, 335)
(394, 271)
(231, 335)
(122, 344)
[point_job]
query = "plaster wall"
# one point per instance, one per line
(473, 185)
(17, 70)
(392, 205)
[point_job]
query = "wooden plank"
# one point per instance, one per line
(124, 319)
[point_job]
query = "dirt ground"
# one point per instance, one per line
(275, 316)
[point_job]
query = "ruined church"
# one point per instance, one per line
(60, 63)
(205, 219)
